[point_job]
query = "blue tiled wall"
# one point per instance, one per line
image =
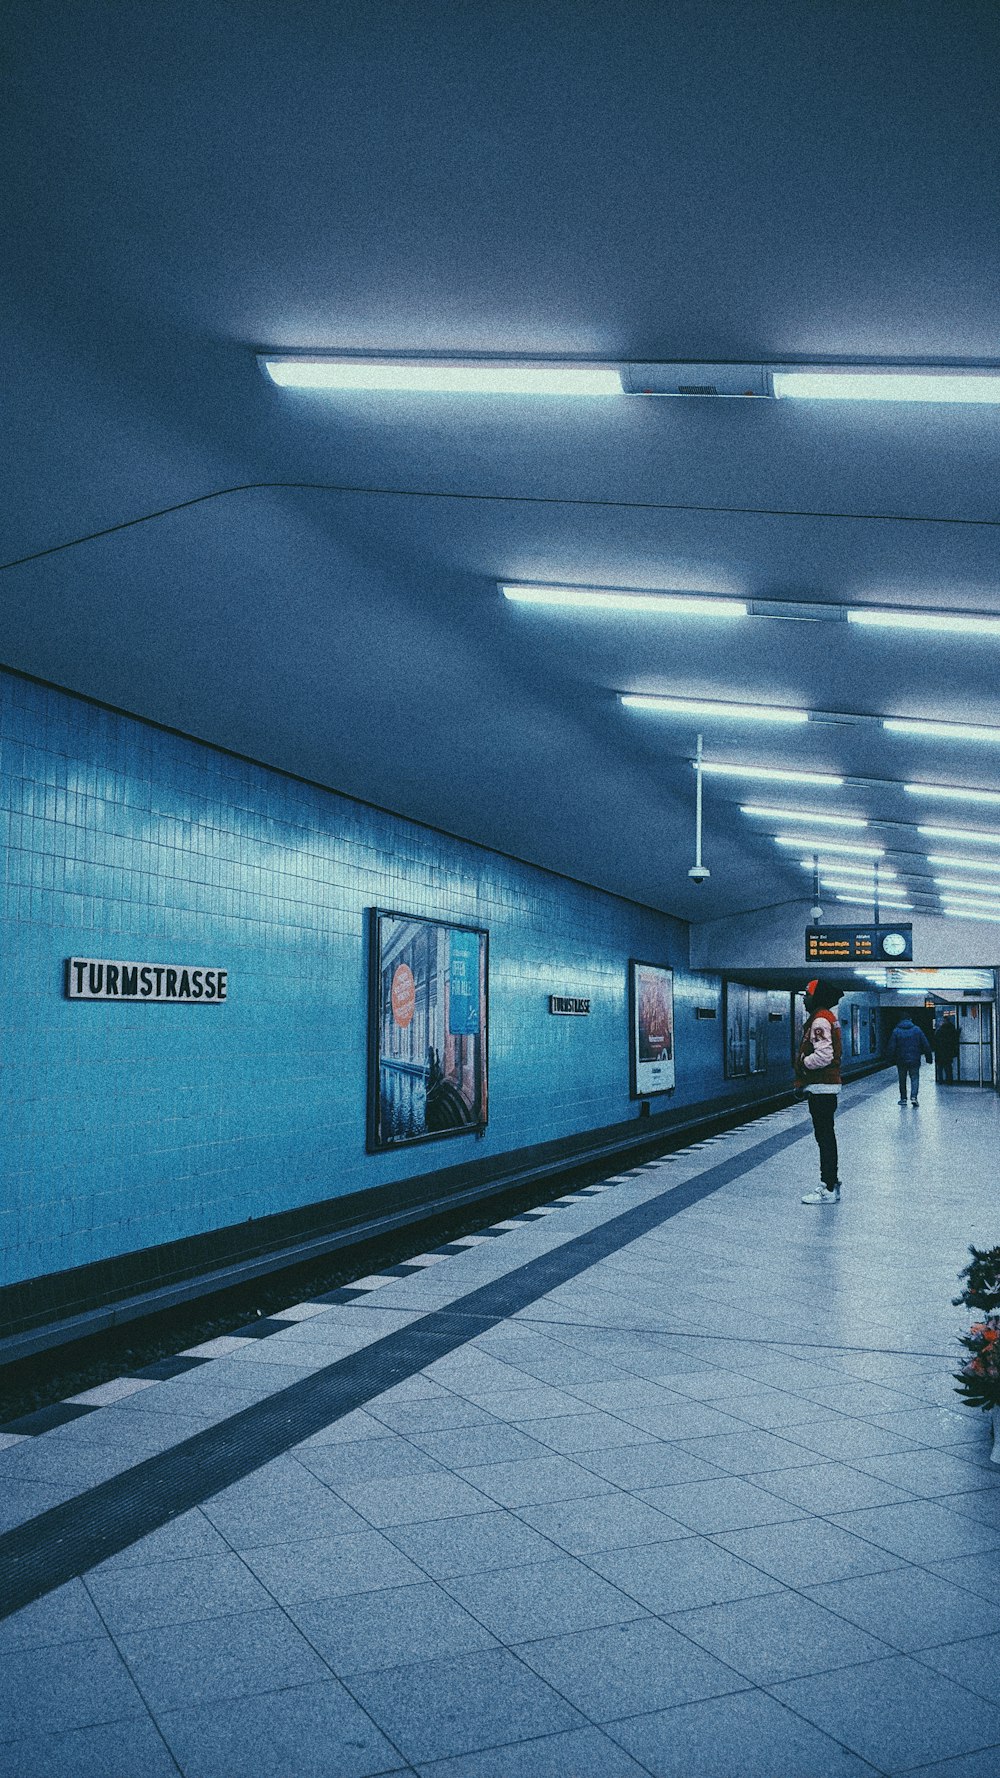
(129, 1125)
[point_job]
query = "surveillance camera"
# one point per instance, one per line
(816, 914)
(699, 873)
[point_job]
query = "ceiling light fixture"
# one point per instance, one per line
(942, 731)
(438, 376)
(581, 598)
(768, 814)
(970, 906)
(666, 706)
(961, 833)
(850, 876)
(965, 886)
(824, 845)
(953, 863)
(956, 913)
(772, 774)
(869, 383)
(924, 620)
(951, 793)
(884, 901)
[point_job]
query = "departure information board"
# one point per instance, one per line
(859, 944)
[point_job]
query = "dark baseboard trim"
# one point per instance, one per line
(60, 1308)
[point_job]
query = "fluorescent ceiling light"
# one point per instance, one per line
(924, 620)
(951, 793)
(861, 901)
(857, 383)
(942, 731)
(845, 878)
(953, 863)
(585, 598)
(710, 707)
(961, 833)
(962, 884)
(772, 774)
(824, 845)
(861, 871)
(441, 376)
(768, 814)
(951, 903)
(957, 913)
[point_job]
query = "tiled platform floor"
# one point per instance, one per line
(707, 1509)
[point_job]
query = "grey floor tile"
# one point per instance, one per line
(982, 1504)
(747, 1736)
(177, 1666)
(38, 1460)
(437, 1709)
(390, 1628)
(543, 1478)
(468, 1545)
(974, 1664)
(66, 1615)
(979, 1574)
(325, 1568)
(746, 1453)
(280, 1502)
(433, 1414)
(833, 1487)
(601, 1522)
(984, 1764)
(536, 1401)
(628, 1669)
(805, 1552)
(279, 1734)
(779, 1636)
(174, 1592)
(649, 1465)
(728, 1504)
(894, 1713)
(545, 1599)
(932, 1425)
(365, 1460)
(909, 1608)
(920, 1531)
(572, 1433)
(926, 1472)
(846, 1439)
(70, 1685)
(354, 1428)
(579, 1753)
(468, 1446)
(20, 1501)
(669, 1577)
(189, 1535)
(121, 1749)
(404, 1500)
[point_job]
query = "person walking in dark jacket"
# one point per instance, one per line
(945, 1046)
(906, 1047)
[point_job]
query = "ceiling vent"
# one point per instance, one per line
(696, 379)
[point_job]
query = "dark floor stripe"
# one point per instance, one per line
(69, 1539)
(44, 1419)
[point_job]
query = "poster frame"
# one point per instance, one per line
(730, 1073)
(375, 1143)
(666, 969)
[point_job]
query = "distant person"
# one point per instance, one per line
(817, 1075)
(945, 1047)
(907, 1046)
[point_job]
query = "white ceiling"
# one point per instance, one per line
(188, 184)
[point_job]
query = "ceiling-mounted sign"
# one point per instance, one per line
(859, 944)
(569, 1005)
(98, 978)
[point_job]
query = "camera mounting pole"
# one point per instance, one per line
(699, 873)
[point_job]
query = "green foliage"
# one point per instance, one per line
(983, 1288)
(978, 1381)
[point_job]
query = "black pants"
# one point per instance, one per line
(823, 1110)
(913, 1070)
(945, 1070)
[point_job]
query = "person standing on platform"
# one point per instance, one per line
(817, 1075)
(945, 1047)
(907, 1046)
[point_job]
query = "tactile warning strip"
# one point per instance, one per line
(67, 1540)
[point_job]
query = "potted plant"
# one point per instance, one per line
(978, 1380)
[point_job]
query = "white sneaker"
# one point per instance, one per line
(823, 1195)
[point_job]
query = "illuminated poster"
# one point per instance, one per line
(737, 1030)
(427, 1030)
(652, 1046)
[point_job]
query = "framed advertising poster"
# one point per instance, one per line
(651, 1050)
(737, 1030)
(757, 1031)
(855, 1031)
(427, 1034)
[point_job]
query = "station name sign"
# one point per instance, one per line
(859, 944)
(97, 978)
(568, 1005)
